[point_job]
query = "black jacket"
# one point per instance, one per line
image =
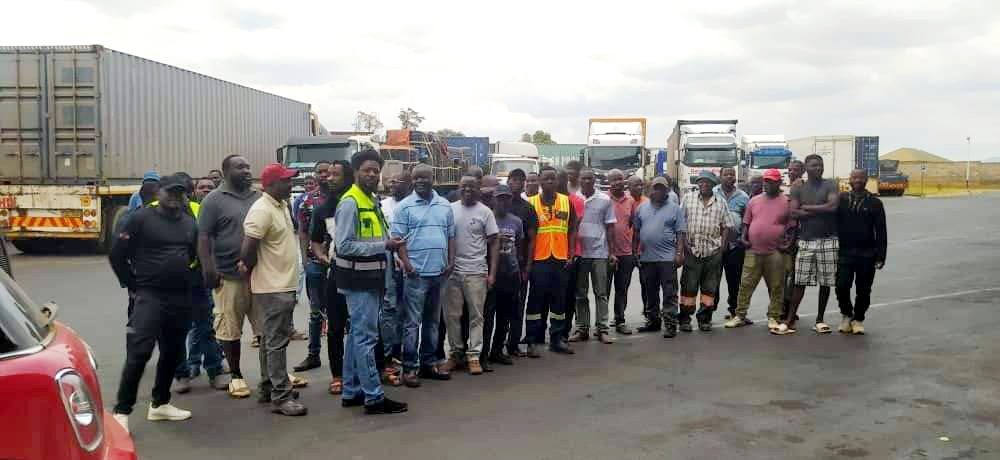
(156, 250)
(861, 226)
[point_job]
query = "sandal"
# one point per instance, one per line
(782, 329)
(297, 382)
(822, 328)
(336, 386)
(391, 377)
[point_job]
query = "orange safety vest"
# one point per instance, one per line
(552, 239)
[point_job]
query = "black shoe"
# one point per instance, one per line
(686, 327)
(311, 362)
(705, 327)
(433, 373)
(485, 364)
(386, 406)
(265, 396)
(501, 359)
(670, 331)
(623, 329)
(650, 327)
(357, 401)
(290, 407)
(560, 346)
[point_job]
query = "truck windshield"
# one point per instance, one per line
(615, 157)
(769, 161)
(710, 157)
(320, 152)
(504, 167)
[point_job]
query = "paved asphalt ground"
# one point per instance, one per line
(923, 384)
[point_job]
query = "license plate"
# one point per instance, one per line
(72, 213)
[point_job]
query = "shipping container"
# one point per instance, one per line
(866, 148)
(85, 114)
(478, 149)
(841, 154)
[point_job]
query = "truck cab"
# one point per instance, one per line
(759, 153)
(616, 143)
(303, 152)
(702, 145)
(508, 156)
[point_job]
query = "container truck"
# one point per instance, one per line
(841, 154)
(701, 145)
(760, 152)
(303, 152)
(80, 124)
(478, 152)
(616, 143)
(508, 156)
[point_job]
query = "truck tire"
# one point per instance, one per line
(112, 215)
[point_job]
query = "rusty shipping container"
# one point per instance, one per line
(89, 114)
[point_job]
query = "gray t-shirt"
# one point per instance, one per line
(473, 225)
(221, 218)
(593, 230)
(658, 229)
(820, 225)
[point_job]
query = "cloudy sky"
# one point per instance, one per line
(918, 76)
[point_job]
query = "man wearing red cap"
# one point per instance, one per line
(765, 235)
(270, 255)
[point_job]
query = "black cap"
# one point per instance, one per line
(501, 190)
(173, 181)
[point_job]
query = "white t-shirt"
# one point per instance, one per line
(473, 225)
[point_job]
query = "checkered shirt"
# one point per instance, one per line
(704, 223)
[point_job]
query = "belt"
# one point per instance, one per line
(360, 266)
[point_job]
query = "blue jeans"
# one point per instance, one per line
(315, 288)
(392, 326)
(361, 374)
(421, 320)
(202, 348)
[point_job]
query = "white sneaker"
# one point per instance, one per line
(845, 325)
(772, 323)
(167, 412)
(122, 420)
(857, 328)
(735, 321)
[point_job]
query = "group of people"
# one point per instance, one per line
(487, 269)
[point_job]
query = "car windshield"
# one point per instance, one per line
(22, 323)
(767, 162)
(504, 167)
(710, 157)
(614, 157)
(320, 152)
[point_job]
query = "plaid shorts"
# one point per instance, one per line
(816, 262)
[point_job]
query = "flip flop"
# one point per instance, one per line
(782, 329)
(822, 328)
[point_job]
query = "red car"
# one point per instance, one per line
(50, 399)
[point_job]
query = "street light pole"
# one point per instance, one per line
(968, 162)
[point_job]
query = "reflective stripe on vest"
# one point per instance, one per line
(371, 224)
(552, 239)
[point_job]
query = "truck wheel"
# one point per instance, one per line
(110, 222)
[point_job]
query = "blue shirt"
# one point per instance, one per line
(737, 204)
(658, 229)
(426, 225)
(134, 201)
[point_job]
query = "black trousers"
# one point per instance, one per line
(660, 278)
(159, 318)
(620, 278)
(732, 267)
(859, 271)
(501, 301)
(517, 319)
(568, 297)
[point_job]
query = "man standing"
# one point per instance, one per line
(765, 226)
(596, 237)
(506, 291)
(531, 185)
(573, 268)
(708, 226)
(733, 251)
(149, 177)
(220, 238)
(360, 246)
(152, 257)
(552, 254)
(425, 221)
(475, 228)
(814, 203)
(529, 220)
(622, 234)
(660, 227)
(315, 267)
(572, 169)
(400, 186)
(863, 241)
(216, 176)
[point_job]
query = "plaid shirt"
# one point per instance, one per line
(704, 223)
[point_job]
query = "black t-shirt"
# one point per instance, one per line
(817, 226)
(155, 250)
(529, 219)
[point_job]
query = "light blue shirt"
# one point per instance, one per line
(737, 204)
(658, 229)
(426, 225)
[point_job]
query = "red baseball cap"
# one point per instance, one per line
(274, 172)
(772, 175)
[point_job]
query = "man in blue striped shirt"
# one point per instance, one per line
(426, 222)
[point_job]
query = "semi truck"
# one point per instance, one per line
(508, 156)
(760, 152)
(841, 154)
(701, 145)
(303, 152)
(616, 143)
(80, 124)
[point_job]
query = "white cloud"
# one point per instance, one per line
(923, 75)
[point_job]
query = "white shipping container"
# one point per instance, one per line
(837, 152)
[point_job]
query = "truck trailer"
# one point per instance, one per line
(80, 124)
(701, 145)
(841, 154)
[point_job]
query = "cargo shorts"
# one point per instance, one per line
(233, 303)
